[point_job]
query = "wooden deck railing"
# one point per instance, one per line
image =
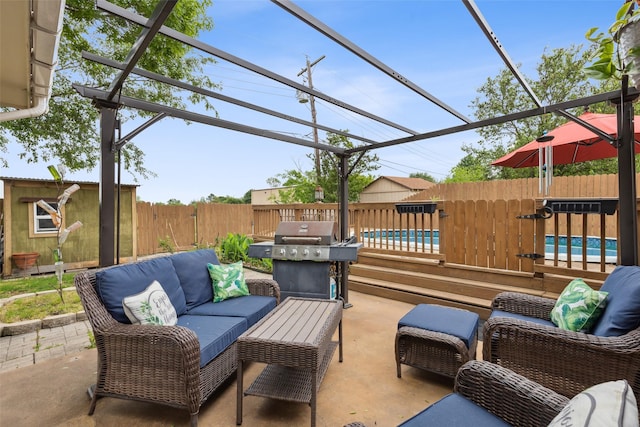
(500, 234)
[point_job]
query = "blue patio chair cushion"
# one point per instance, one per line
(114, 284)
(191, 268)
(454, 410)
(458, 323)
(622, 313)
(500, 313)
(214, 334)
(251, 307)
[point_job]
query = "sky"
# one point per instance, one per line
(436, 44)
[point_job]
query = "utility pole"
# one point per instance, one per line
(312, 103)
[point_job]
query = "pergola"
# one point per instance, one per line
(109, 101)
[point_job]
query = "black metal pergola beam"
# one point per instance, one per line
(190, 41)
(607, 96)
(315, 23)
(99, 95)
(196, 89)
(128, 137)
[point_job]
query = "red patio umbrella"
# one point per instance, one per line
(572, 143)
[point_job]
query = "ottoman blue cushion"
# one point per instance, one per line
(215, 334)
(458, 323)
(454, 410)
(251, 307)
(500, 313)
(622, 312)
(116, 283)
(191, 268)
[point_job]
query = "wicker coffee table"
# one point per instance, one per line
(295, 341)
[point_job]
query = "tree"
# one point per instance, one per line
(304, 183)
(422, 175)
(68, 132)
(560, 78)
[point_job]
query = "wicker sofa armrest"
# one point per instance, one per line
(524, 304)
(512, 397)
(265, 287)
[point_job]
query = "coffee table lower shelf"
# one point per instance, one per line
(290, 384)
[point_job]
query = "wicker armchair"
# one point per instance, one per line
(155, 364)
(564, 361)
(513, 398)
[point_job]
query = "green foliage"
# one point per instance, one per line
(212, 198)
(166, 245)
(69, 131)
(607, 57)
(423, 175)
(560, 78)
(234, 248)
(304, 183)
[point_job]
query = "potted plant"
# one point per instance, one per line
(618, 51)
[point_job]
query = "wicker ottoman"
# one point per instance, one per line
(436, 338)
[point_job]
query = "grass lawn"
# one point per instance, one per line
(40, 306)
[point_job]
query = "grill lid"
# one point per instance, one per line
(306, 233)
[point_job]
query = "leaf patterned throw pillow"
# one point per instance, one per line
(578, 307)
(228, 281)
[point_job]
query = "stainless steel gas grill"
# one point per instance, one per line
(303, 254)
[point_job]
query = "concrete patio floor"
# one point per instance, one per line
(363, 388)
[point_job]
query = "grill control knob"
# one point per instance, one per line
(282, 251)
(305, 252)
(318, 252)
(293, 251)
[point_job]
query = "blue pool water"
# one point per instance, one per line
(593, 243)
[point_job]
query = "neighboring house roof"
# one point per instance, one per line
(409, 183)
(71, 181)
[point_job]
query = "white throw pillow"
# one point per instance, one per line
(603, 405)
(150, 307)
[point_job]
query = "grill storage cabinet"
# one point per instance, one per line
(302, 254)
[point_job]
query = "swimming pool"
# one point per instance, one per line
(593, 243)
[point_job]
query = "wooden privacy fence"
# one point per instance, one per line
(184, 227)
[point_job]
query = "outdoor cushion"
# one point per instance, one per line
(114, 284)
(458, 323)
(622, 313)
(500, 313)
(610, 404)
(191, 268)
(454, 410)
(150, 307)
(251, 307)
(578, 307)
(214, 334)
(228, 281)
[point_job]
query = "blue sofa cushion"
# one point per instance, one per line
(454, 410)
(191, 268)
(251, 307)
(622, 313)
(116, 283)
(500, 313)
(215, 334)
(458, 323)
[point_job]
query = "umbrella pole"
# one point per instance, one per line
(627, 179)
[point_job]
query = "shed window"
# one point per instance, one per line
(42, 222)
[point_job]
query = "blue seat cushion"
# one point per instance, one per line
(251, 307)
(458, 323)
(215, 334)
(622, 312)
(115, 283)
(454, 410)
(191, 268)
(500, 313)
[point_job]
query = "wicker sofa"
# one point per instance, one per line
(181, 365)
(519, 335)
